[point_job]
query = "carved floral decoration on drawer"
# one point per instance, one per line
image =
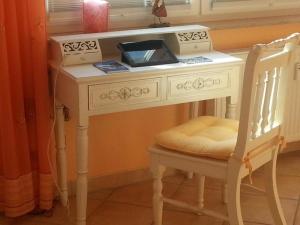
(78, 46)
(125, 93)
(198, 84)
(192, 36)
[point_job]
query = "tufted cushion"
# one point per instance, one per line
(204, 136)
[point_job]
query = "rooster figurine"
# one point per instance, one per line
(159, 10)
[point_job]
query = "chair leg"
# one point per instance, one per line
(225, 223)
(157, 194)
(234, 199)
(201, 181)
(272, 193)
(224, 193)
(189, 175)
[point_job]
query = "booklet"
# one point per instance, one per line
(111, 66)
(195, 60)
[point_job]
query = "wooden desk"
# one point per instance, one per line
(87, 91)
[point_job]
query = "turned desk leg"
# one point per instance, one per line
(158, 171)
(82, 171)
(225, 193)
(61, 154)
(193, 113)
(231, 107)
(194, 110)
(200, 191)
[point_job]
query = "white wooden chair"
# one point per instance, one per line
(227, 149)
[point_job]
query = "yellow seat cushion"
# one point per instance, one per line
(204, 136)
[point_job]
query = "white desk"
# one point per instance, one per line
(87, 91)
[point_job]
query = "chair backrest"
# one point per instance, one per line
(264, 89)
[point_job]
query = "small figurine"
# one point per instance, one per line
(159, 10)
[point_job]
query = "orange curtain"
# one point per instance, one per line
(25, 178)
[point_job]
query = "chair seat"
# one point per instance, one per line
(205, 136)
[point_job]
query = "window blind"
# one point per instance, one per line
(63, 5)
(254, 5)
(238, 3)
(235, 0)
(76, 5)
(69, 12)
(142, 3)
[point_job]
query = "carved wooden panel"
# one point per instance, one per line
(81, 51)
(75, 47)
(127, 92)
(193, 36)
(194, 84)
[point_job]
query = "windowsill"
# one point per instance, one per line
(252, 22)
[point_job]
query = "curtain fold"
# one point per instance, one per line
(25, 177)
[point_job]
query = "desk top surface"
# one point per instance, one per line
(87, 72)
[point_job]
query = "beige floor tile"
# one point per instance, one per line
(140, 193)
(249, 223)
(288, 164)
(255, 209)
(5, 221)
(100, 194)
(121, 214)
(183, 218)
(117, 180)
(209, 182)
(30, 222)
(297, 219)
(62, 216)
(28, 219)
(288, 186)
(24, 220)
(188, 194)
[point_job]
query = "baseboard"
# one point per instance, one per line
(117, 180)
(292, 146)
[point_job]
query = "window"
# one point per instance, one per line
(64, 11)
(141, 9)
(69, 12)
(238, 6)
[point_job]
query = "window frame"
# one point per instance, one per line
(209, 7)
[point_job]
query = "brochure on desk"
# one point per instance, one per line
(113, 66)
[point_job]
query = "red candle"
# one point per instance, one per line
(95, 16)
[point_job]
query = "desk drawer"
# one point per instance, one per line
(195, 84)
(194, 47)
(124, 93)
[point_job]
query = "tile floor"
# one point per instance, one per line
(132, 204)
